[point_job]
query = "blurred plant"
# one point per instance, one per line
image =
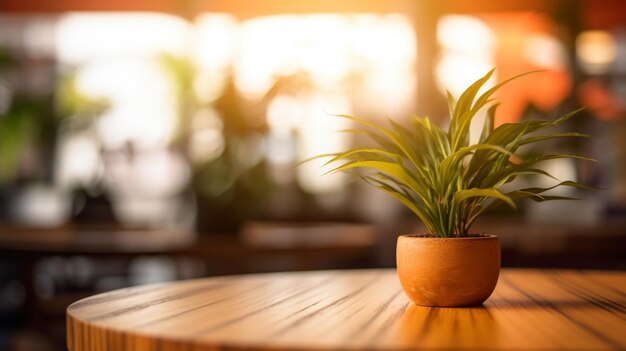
(78, 113)
(19, 128)
(25, 127)
(29, 124)
(231, 179)
(71, 103)
(181, 73)
(442, 178)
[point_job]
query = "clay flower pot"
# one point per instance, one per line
(448, 272)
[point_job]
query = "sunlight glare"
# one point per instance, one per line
(467, 53)
(83, 36)
(319, 135)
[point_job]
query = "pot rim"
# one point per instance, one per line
(428, 237)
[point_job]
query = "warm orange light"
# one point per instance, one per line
(596, 51)
(527, 42)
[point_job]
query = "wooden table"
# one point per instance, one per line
(357, 309)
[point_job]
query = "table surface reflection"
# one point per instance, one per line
(353, 309)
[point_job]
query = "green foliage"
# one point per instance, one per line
(438, 175)
(19, 128)
(72, 103)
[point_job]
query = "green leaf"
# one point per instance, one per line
(393, 136)
(538, 138)
(484, 98)
(404, 198)
(491, 192)
(489, 123)
(467, 98)
(519, 194)
(452, 162)
(568, 183)
(451, 103)
(381, 140)
(366, 153)
(392, 169)
(463, 113)
(554, 157)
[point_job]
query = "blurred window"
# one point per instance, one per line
(307, 67)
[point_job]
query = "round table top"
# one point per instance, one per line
(358, 309)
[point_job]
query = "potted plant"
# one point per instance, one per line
(448, 183)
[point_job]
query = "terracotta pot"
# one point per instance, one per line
(448, 272)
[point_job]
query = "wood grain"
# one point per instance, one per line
(359, 309)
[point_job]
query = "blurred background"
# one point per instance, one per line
(146, 141)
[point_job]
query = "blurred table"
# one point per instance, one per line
(91, 260)
(260, 247)
(352, 309)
